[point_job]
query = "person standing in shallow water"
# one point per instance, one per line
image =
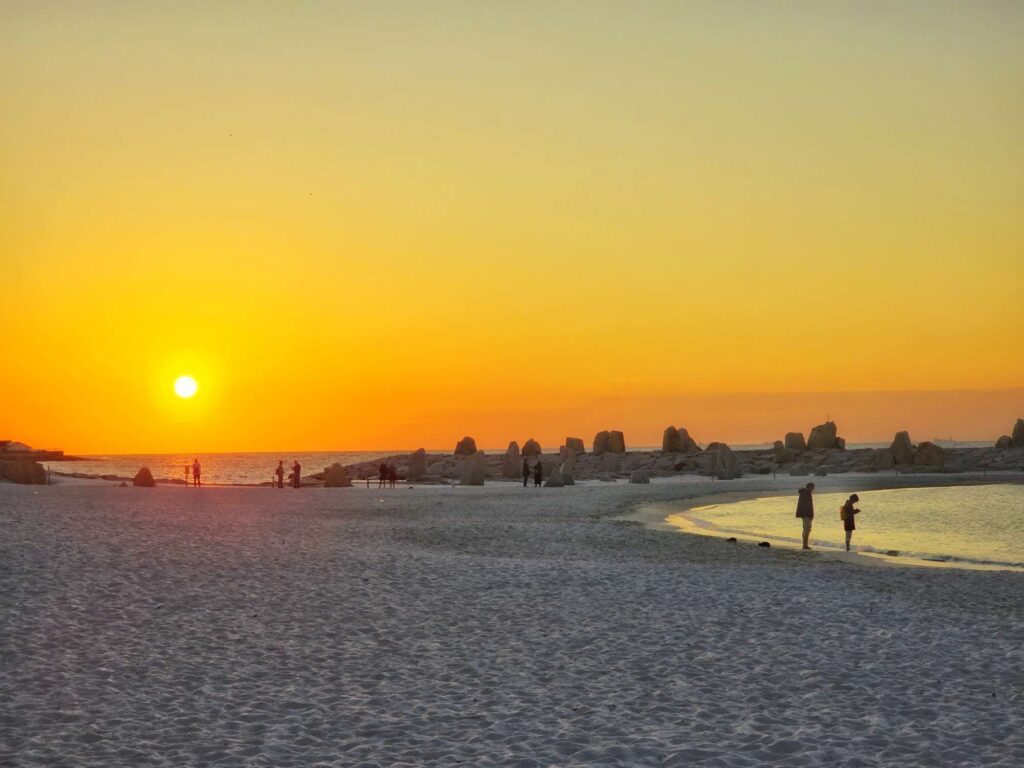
(848, 513)
(526, 472)
(280, 474)
(196, 472)
(538, 473)
(296, 473)
(805, 511)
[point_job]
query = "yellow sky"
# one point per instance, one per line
(363, 227)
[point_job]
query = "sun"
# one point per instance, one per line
(185, 386)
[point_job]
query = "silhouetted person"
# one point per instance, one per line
(296, 473)
(382, 475)
(280, 474)
(849, 524)
(392, 475)
(538, 473)
(805, 510)
(526, 472)
(197, 470)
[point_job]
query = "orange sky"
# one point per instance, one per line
(364, 227)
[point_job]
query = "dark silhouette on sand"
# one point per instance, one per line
(392, 475)
(382, 475)
(280, 474)
(296, 473)
(197, 470)
(538, 474)
(847, 514)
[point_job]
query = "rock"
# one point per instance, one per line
(795, 441)
(781, 454)
(567, 478)
(1004, 442)
(1017, 438)
(611, 462)
(883, 458)
(512, 461)
(25, 472)
(640, 477)
(465, 447)
(438, 468)
(800, 471)
(417, 465)
(902, 449)
(840, 444)
(929, 455)
(144, 478)
(336, 476)
(600, 443)
(617, 442)
(575, 445)
(531, 448)
(553, 480)
(823, 437)
(474, 470)
(670, 441)
(764, 544)
(821, 472)
(723, 462)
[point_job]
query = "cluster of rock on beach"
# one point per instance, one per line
(822, 452)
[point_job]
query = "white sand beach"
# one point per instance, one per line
(479, 626)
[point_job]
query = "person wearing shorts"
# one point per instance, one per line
(805, 511)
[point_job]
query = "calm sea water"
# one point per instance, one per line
(233, 468)
(982, 524)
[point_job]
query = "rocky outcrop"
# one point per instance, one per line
(512, 461)
(531, 448)
(336, 476)
(781, 454)
(678, 441)
(902, 448)
(882, 459)
(795, 441)
(723, 462)
(1017, 438)
(640, 477)
(474, 469)
(823, 437)
(929, 455)
(417, 466)
(554, 480)
(575, 444)
(23, 471)
(465, 447)
(144, 479)
(609, 442)
(1004, 442)
(611, 462)
(567, 475)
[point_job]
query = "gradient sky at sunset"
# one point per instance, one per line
(384, 225)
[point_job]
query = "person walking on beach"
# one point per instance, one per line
(392, 475)
(382, 475)
(196, 472)
(280, 474)
(526, 472)
(847, 513)
(805, 510)
(296, 473)
(538, 474)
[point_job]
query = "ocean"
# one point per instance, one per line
(976, 524)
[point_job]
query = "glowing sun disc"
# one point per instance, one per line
(185, 386)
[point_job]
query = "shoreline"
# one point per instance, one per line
(674, 517)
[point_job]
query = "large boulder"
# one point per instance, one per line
(512, 462)
(902, 448)
(144, 478)
(929, 455)
(823, 437)
(781, 454)
(554, 480)
(23, 471)
(417, 465)
(567, 475)
(531, 448)
(611, 462)
(465, 447)
(609, 442)
(640, 477)
(474, 469)
(1017, 438)
(883, 458)
(670, 441)
(795, 441)
(1004, 442)
(575, 444)
(336, 476)
(723, 463)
